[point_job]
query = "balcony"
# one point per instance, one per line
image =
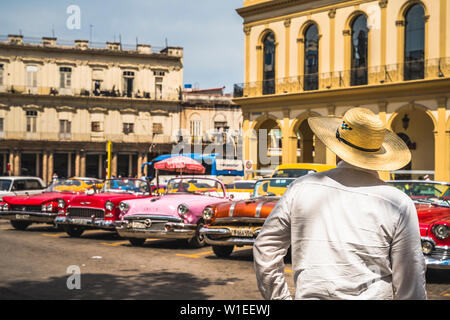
(168, 95)
(379, 75)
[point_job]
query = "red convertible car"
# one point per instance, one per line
(432, 201)
(24, 210)
(434, 223)
(101, 210)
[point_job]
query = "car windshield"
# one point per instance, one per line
(421, 189)
(5, 184)
(241, 185)
(291, 173)
(65, 185)
(271, 187)
(203, 186)
(124, 185)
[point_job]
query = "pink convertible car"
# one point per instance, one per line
(175, 215)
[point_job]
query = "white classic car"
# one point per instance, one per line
(15, 186)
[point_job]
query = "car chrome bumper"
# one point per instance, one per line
(30, 216)
(223, 237)
(437, 263)
(88, 223)
(167, 230)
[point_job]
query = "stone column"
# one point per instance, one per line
(441, 157)
(77, 164)
(11, 162)
(139, 164)
(130, 165)
(83, 164)
(17, 170)
(38, 164)
(114, 164)
(50, 167)
(69, 165)
(100, 166)
(45, 166)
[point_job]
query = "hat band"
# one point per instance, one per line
(338, 136)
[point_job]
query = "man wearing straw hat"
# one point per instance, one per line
(352, 236)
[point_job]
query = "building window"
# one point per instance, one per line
(311, 79)
(359, 61)
(128, 78)
(221, 126)
(65, 129)
(414, 43)
(96, 126)
(158, 87)
(1, 74)
(196, 128)
(32, 73)
(65, 77)
(1, 126)
(269, 64)
(157, 128)
(159, 73)
(31, 120)
(128, 128)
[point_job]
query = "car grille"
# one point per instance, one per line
(26, 208)
(86, 213)
(440, 253)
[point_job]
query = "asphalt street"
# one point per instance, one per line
(38, 264)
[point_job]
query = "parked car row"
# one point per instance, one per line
(200, 210)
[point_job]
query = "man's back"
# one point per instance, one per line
(352, 236)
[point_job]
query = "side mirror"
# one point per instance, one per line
(231, 196)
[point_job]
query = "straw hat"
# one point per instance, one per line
(361, 139)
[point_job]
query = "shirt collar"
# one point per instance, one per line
(343, 164)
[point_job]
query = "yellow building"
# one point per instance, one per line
(306, 58)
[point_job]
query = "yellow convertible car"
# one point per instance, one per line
(77, 184)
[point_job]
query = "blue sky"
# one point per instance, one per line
(209, 30)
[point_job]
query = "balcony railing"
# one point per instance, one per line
(169, 95)
(378, 75)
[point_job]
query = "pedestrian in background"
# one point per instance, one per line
(352, 236)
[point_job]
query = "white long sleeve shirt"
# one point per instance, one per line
(352, 237)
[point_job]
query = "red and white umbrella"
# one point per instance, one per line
(180, 164)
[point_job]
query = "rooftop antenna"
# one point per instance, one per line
(91, 26)
(137, 42)
(120, 41)
(167, 43)
(53, 30)
(20, 32)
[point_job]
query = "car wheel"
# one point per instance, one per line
(198, 240)
(20, 225)
(74, 232)
(137, 242)
(223, 251)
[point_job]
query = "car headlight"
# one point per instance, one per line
(5, 207)
(182, 209)
(208, 214)
(61, 204)
(124, 207)
(44, 208)
(50, 207)
(427, 247)
(109, 205)
(441, 231)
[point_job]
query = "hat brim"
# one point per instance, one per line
(393, 155)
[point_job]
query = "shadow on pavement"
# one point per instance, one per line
(156, 285)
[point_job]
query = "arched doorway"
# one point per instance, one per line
(415, 127)
(309, 149)
(269, 137)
